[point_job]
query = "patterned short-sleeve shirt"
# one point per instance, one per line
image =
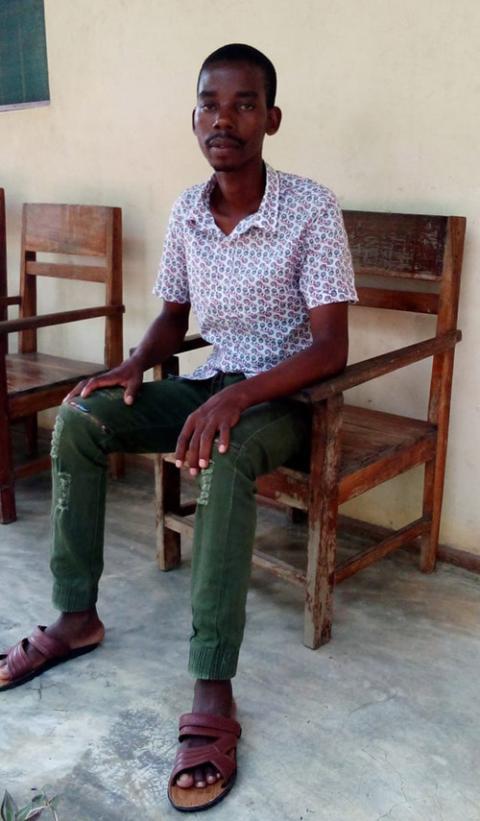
(251, 289)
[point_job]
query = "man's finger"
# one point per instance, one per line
(206, 443)
(131, 391)
(96, 383)
(192, 452)
(224, 438)
(183, 441)
(75, 391)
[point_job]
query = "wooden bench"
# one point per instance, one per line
(403, 262)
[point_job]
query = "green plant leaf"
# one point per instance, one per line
(39, 799)
(32, 810)
(8, 809)
(24, 813)
(54, 802)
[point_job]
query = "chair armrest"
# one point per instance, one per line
(191, 343)
(369, 369)
(171, 364)
(28, 323)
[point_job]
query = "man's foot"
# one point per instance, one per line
(214, 698)
(72, 632)
(205, 766)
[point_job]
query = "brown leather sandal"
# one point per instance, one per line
(53, 650)
(220, 753)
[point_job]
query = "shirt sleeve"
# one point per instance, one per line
(326, 270)
(172, 278)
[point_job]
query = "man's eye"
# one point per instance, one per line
(246, 106)
(207, 107)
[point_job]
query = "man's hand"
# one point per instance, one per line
(218, 415)
(128, 375)
(162, 339)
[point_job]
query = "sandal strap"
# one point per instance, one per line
(18, 661)
(48, 646)
(188, 759)
(220, 753)
(208, 725)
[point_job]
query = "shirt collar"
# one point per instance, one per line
(265, 219)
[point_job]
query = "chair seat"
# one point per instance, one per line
(375, 446)
(35, 372)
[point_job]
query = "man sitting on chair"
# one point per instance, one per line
(262, 258)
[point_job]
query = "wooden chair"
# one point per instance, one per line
(31, 381)
(353, 449)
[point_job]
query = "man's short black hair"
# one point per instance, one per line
(241, 53)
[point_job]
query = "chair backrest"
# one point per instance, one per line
(392, 248)
(3, 258)
(427, 252)
(93, 232)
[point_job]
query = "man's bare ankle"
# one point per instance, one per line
(213, 696)
(76, 623)
(79, 616)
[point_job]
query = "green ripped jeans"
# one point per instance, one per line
(87, 430)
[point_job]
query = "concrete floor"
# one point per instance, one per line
(383, 723)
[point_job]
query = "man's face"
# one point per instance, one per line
(231, 117)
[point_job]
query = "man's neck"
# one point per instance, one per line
(239, 193)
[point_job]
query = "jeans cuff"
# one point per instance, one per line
(214, 663)
(71, 600)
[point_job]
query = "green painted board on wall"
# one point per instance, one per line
(23, 54)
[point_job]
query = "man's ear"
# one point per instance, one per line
(193, 120)
(274, 118)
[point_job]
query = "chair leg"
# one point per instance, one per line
(31, 434)
(167, 500)
(296, 516)
(116, 465)
(8, 511)
(438, 413)
(432, 507)
(323, 508)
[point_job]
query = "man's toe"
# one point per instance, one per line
(199, 778)
(185, 780)
(4, 671)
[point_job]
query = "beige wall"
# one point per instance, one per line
(381, 102)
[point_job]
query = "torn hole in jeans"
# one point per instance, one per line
(76, 405)
(205, 483)
(57, 432)
(64, 481)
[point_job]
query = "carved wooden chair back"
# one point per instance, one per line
(85, 231)
(424, 250)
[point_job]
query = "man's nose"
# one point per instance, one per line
(225, 119)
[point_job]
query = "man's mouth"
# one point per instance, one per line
(223, 142)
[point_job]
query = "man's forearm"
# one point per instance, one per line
(162, 339)
(320, 361)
